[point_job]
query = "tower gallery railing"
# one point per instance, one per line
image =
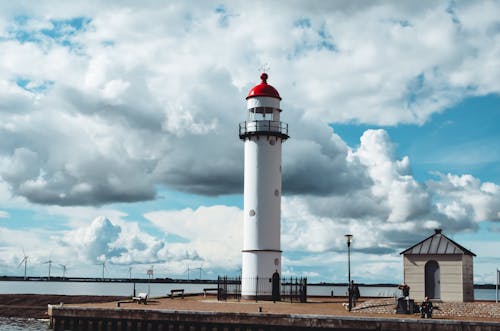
(266, 127)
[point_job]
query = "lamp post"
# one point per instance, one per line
(348, 238)
(498, 282)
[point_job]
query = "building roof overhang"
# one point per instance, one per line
(436, 244)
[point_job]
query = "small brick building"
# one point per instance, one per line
(439, 268)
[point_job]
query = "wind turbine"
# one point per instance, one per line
(49, 262)
(25, 260)
(64, 270)
(130, 272)
(150, 272)
(199, 268)
(103, 263)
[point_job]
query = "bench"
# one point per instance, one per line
(181, 291)
(141, 298)
(119, 303)
(210, 289)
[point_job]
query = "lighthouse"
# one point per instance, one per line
(263, 134)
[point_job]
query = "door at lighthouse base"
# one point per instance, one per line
(276, 286)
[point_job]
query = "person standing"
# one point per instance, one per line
(355, 293)
(405, 290)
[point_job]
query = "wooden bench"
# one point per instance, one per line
(141, 298)
(210, 289)
(181, 291)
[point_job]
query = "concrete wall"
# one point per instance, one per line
(455, 274)
(74, 318)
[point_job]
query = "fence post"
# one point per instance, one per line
(305, 289)
(218, 288)
(498, 281)
(238, 289)
(225, 288)
(256, 288)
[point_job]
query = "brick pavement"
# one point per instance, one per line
(370, 307)
(461, 310)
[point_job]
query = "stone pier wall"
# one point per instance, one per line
(74, 318)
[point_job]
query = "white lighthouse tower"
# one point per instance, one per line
(263, 134)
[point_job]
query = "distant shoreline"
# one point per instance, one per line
(106, 280)
(481, 286)
(181, 281)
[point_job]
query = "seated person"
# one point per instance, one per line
(426, 308)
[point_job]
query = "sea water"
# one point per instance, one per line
(163, 289)
(96, 288)
(23, 324)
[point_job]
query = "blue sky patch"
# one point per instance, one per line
(415, 89)
(63, 28)
(469, 129)
(34, 87)
(303, 23)
(223, 16)
(322, 41)
(61, 31)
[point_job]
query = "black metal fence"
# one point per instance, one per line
(228, 288)
(294, 289)
(291, 289)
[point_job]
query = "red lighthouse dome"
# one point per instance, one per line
(263, 89)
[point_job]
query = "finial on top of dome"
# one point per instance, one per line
(264, 77)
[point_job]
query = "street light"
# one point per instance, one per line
(498, 282)
(348, 238)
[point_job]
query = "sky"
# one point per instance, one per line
(119, 133)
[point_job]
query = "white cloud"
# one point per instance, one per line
(114, 89)
(119, 242)
(19, 243)
(137, 88)
(214, 234)
(95, 242)
(467, 198)
(486, 262)
(392, 178)
(392, 213)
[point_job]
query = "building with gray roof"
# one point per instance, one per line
(439, 268)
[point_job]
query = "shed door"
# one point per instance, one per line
(432, 280)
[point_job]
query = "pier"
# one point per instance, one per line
(200, 314)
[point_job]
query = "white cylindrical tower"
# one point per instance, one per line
(263, 134)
